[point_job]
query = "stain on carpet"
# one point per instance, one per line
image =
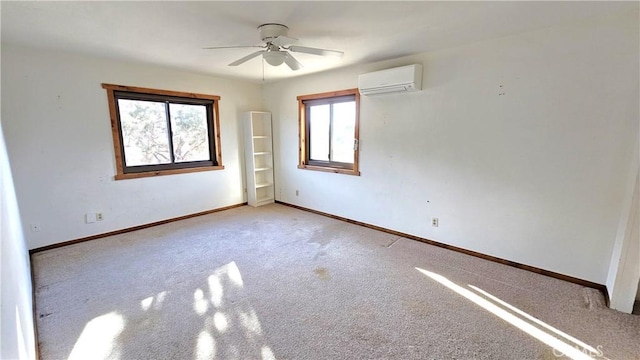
(324, 235)
(418, 308)
(322, 273)
(593, 299)
(362, 333)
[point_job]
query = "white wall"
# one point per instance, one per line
(59, 141)
(536, 175)
(16, 314)
(624, 270)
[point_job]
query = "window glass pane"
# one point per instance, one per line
(343, 134)
(144, 132)
(319, 132)
(189, 127)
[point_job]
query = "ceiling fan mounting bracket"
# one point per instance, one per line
(270, 31)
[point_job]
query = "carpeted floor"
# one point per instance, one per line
(279, 283)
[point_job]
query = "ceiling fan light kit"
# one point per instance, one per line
(275, 50)
(274, 58)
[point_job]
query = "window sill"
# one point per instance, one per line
(165, 172)
(330, 169)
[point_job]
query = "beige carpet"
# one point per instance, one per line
(280, 283)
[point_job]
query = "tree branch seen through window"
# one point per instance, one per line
(159, 132)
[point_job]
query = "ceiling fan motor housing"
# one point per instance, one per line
(271, 31)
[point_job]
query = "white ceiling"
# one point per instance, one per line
(173, 33)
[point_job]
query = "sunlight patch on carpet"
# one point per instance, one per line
(200, 304)
(535, 320)
(251, 323)
(99, 337)
(548, 339)
(220, 321)
(234, 274)
(215, 289)
(206, 346)
(145, 304)
(230, 322)
(267, 354)
(159, 300)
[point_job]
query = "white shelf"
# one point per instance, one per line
(258, 150)
(265, 199)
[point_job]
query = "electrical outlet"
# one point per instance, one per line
(297, 193)
(99, 217)
(35, 227)
(434, 222)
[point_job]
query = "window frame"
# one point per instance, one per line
(304, 162)
(115, 92)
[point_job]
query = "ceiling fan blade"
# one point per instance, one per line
(283, 40)
(246, 58)
(292, 62)
(231, 47)
(315, 51)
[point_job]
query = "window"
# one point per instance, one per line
(329, 131)
(159, 132)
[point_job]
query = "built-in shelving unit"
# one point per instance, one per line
(258, 158)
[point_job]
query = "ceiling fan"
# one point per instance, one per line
(277, 47)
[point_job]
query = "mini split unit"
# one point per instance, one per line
(395, 80)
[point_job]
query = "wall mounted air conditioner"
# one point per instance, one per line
(395, 80)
